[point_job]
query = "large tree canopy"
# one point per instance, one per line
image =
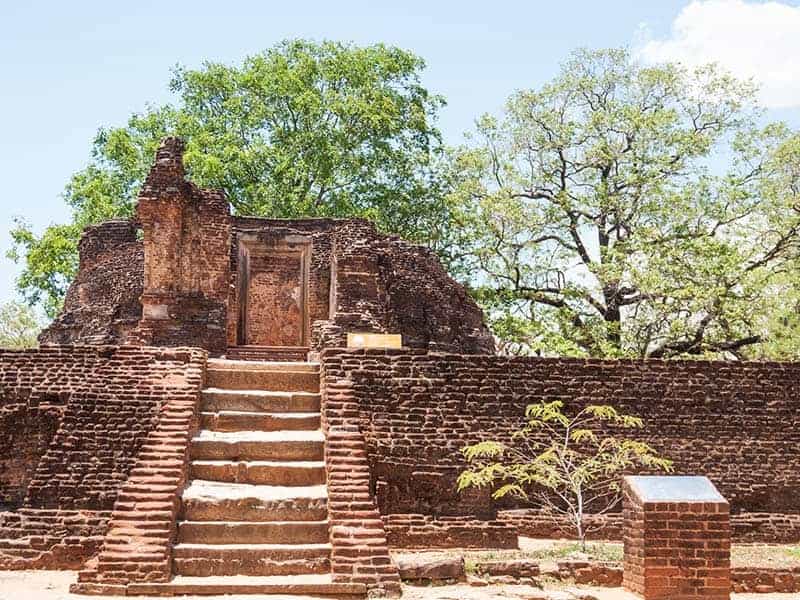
(303, 129)
(632, 210)
(619, 210)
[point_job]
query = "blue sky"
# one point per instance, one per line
(71, 67)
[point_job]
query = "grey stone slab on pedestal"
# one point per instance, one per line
(674, 488)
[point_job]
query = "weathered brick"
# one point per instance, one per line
(89, 476)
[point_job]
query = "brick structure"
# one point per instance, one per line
(187, 273)
(536, 523)
(116, 436)
(142, 526)
(677, 539)
(360, 550)
(587, 572)
(104, 433)
(102, 305)
(739, 423)
(186, 266)
(454, 531)
(765, 580)
(81, 417)
(747, 527)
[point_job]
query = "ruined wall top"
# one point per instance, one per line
(167, 173)
(192, 274)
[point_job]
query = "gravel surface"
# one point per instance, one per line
(54, 585)
(748, 555)
(549, 551)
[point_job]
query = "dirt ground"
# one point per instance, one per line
(54, 585)
(551, 551)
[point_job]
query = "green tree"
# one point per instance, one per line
(19, 326)
(570, 465)
(629, 210)
(302, 129)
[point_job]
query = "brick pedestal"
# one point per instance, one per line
(677, 539)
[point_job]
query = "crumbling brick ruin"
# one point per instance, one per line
(103, 305)
(201, 277)
(152, 466)
(74, 422)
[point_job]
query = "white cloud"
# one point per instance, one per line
(751, 39)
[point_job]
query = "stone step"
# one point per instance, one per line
(278, 380)
(232, 420)
(250, 559)
(268, 353)
(258, 445)
(216, 501)
(242, 532)
(260, 472)
(318, 586)
(262, 365)
(216, 399)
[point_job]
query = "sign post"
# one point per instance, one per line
(677, 538)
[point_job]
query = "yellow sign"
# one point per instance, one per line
(374, 340)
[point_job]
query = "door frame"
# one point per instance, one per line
(254, 245)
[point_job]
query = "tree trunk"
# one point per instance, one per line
(613, 315)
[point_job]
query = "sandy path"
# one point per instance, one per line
(54, 585)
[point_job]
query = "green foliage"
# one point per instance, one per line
(629, 210)
(618, 210)
(19, 326)
(303, 129)
(569, 464)
(51, 262)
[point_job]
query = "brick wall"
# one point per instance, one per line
(137, 546)
(737, 423)
(429, 531)
(102, 304)
(382, 284)
(186, 258)
(431, 309)
(183, 283)
(748, 527)
(89, 411)
(765, 580)
(27, 431)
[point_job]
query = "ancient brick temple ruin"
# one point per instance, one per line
(195, 423)
(185, 272)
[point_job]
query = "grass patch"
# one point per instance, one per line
(607, 552)
(594, 551)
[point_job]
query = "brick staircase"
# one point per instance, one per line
(254, 517)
